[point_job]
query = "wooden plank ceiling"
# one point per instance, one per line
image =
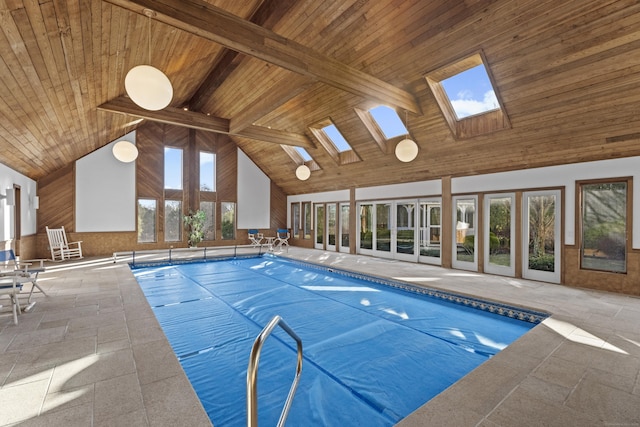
(263, 71)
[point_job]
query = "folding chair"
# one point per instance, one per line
(9, 267)
(282, 238)
(60, 247)
(11, 286)
(255, 237)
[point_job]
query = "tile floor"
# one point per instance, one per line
(92, 354)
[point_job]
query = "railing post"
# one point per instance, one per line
(252, 372)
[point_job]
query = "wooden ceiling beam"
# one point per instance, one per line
(205, 20)
(194, 120)
(266, 15)
(278, 95)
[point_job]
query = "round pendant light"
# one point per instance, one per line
(125, 151)
(406, 150)
(148, 87)
(303, 172)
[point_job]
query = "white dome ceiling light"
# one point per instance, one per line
(147, 86)
(303, 172)
(407, 149)
(125, 151)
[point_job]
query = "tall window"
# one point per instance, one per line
(209, 209)
(146, 220)
(172, 220)
(207, 171)
(228, 220)
(604, 226)
(306, 206)
(295, 215)
(172, 168)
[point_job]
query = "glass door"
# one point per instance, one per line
(499, 232)
(429, 231)
(365, 228)
(405, 231)
(541, 221)
(331, 226)
(319, 240)
(344, 227)
(464, 245)
(382, 238)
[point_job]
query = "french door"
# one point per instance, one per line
(344, 227)
(465, 245)
(319, 227)
(332, 216)
(429, 231)
(499, 234)
(388, 229)
(542, 239)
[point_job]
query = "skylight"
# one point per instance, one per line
(388, 120)
(470, 92)
(305, 155)
(336, 137)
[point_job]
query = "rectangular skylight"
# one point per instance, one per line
(305, 155)
(336, 137)
(471, 92)
(388, 121)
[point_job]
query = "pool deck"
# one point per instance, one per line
(91, 353)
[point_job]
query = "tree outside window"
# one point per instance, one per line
(172, 220)
(228, 220)
(146, 220)
(209, 209)
(604, 226)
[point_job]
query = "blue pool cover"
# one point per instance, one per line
(372, 354)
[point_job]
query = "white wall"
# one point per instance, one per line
(9, 177)
(105, 191)
(254, 195)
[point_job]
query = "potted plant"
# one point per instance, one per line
(194, 223)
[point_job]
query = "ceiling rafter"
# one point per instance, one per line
(195, 120)
(266, 15)
(205, 20)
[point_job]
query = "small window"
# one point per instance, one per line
(209, 209)
(604, 226)
(300, 156)
(172, 168)
(172, 220)
(146, 220)
(228, 220)
(467, 97)
(334, 142)
(388, 121)
(304, 154)
(470, 92)
(336, 138)
(207, 171)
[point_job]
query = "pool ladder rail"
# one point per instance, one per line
(252, 372)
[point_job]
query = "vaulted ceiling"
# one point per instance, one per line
(264, 71)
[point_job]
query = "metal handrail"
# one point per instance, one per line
(252, 372)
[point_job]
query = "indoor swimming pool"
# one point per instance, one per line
(374, 349)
